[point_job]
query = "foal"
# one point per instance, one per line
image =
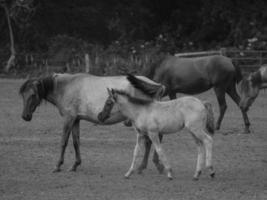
(153, 118)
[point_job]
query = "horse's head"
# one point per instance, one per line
(31, 98)
(105, 113)
(249, 89)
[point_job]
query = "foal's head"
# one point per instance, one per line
(120, 98)
(249, 89)
(33, 91)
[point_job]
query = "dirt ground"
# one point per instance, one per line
(29, 151)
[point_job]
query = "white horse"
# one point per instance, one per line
(152, 118)
(80, 97)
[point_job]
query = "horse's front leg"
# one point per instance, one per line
(139, 139)
(76, 144)
(67, 128)
(220, 94)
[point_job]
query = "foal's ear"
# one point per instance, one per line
(109, 92)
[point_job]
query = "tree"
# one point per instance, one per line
(12, 9)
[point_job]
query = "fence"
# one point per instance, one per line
(248, 60)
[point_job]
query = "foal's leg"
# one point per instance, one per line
(200, 159)
(135, 155)
(231, 91)
(68, 124)
(76, 144)
(158, 164)
(208, 141)
(156, 142)
(220, 94)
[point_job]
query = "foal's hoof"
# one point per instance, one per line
(196, 176)
(246, 131)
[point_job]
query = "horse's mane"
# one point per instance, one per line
(256, 79)
(44, 85)
(146, 88)
(132, 99)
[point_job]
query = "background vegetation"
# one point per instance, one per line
(63, 30)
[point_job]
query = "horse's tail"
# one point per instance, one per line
(238, 73)
(210, 118)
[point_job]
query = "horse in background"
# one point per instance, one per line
(199, 74)
(152, 118)
(79, 97)
(250, 86)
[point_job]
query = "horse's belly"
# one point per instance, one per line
(193, 87)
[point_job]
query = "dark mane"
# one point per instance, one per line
(147, 88)
(133, 100)
(256, 77)
(44, 86)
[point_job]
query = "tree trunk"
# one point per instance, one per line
(11, 60)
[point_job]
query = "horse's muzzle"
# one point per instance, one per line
(102, 117)
(27, 117)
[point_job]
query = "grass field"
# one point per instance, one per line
(29, 151)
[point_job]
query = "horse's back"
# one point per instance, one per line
(194, 75)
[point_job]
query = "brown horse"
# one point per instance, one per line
(79, 97)
(196, 75)
(249, 87)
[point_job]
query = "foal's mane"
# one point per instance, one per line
(44, 85)
(134, 100)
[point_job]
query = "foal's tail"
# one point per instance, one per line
(210, 118)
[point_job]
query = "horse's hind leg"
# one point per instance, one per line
(76, 144)
(220, 94)
(147, 145)
(68, 124)
(231, 91)
(156, 161)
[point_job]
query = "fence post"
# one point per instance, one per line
(87, 63)
(223, 51)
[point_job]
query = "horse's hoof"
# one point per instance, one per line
(72, 169)
(195, 178)
(212, 175)
(247, 131)
(56, 170)
(160, 168)
(140, 169)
